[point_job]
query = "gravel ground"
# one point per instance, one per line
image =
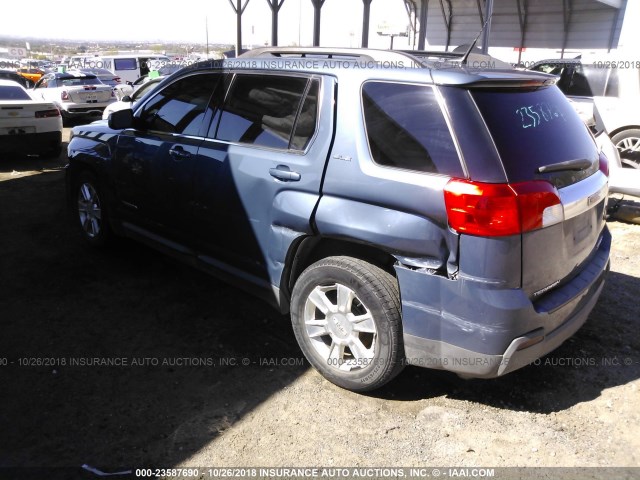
(249, 399)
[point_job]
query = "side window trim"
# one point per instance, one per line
(229, 78)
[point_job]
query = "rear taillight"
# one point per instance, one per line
(117, 79)
(500, 209)
(48, 113)
(604, 164)
(64, 95)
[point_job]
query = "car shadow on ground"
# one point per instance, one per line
(604, 353)
(120, 358)
(123, 358)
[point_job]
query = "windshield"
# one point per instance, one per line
(535, 128)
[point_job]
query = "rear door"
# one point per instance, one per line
(539, 128)
(259, 170)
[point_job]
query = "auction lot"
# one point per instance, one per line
(205, 375)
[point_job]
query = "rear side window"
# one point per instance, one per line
(181, 106)
(406, 128)
(534, 128)
(125, 64)
(263, 110)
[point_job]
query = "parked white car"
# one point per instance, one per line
(613, 82)
(28, 126)
(76, 94)
(128, 101)
(623, 181)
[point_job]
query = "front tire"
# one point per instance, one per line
(91, 211)
(346, 317)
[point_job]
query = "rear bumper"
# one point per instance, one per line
(31, 142)
(83, 109)
(507, 332)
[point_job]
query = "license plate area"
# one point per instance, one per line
(17, 130)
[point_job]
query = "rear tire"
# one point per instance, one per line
(91, 211)
(628, 144)
(346, 317)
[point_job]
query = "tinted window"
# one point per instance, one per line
(180, 107)
(406, 129)
(534, 128)
(262, 110)
(125, 63)
(13, 93)
(69, 81)
(587, 81)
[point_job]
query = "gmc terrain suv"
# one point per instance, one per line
(402, 208)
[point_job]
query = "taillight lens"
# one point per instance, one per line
(117, 79)
(48, 113)
(604, 164)
(501, 209)
(64, 95)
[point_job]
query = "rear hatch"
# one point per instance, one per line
(90, 93)
(543, 145)
(85, 89)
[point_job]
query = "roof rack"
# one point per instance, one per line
(417, 58)
(366, 54)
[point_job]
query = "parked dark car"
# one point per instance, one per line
(401, 210)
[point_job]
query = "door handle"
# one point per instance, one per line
(284, 173)
(179, 153)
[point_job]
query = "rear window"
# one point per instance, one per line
(13, 93)
(406, 128)
(534, 128)
(78, 81)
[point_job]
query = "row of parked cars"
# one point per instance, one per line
(442, 216)
(85, 93)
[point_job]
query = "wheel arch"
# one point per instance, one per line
(310, 249)
(622, 129)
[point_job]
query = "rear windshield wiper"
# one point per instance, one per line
(578, 164)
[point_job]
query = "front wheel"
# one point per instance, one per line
(91, 212)
(346, 317)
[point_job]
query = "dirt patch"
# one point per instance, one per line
(209, 376)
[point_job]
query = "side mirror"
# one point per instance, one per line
(121, 119)
(126, 98)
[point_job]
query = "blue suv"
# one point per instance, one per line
(403, 208)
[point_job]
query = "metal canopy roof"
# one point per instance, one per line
(561, 24)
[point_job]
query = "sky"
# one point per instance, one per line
(186, 20)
